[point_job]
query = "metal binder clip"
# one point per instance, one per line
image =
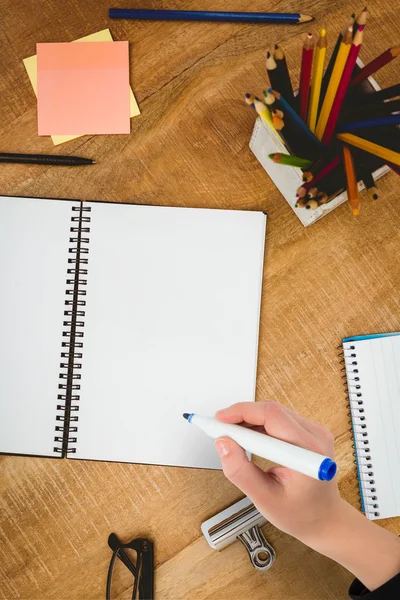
(242, 522)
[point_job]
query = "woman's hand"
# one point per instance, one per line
(294, 503)
(310, 510)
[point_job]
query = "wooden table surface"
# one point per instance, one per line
(339, 277)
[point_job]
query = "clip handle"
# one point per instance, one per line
(147, 575)
(261, 554)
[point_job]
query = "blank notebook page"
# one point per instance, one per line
(171, 326)
(378, 364)
(34, 242)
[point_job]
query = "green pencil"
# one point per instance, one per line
(290, 160)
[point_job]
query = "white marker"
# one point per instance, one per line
(285, 454)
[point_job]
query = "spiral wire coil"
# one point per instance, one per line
(359, 429)
(72, 334)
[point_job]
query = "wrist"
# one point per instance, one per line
(368, 551)
(327, 535)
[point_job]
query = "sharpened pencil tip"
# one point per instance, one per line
(356, 212)
(305, 19)
(186, 416)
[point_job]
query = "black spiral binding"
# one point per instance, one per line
(359, 429)
(73, 324)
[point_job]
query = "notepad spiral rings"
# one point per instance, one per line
(363, 452)
(68, 396)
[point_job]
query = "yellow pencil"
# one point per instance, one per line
(316, 80)
(264, 112)
(337, 71)
(385, 153)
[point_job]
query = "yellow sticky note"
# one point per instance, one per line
(31, 68)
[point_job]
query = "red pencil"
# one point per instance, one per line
(343, 86)
(305, 75)
(302, 190)
(376, 64)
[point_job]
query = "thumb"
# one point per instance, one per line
(241, 472)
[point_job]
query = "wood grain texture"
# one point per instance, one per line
(337, 278)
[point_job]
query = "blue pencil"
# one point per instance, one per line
(197, 15)
(289, 111)
(378, 122)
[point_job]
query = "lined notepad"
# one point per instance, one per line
(373, 376)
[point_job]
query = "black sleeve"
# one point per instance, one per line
(388, 591)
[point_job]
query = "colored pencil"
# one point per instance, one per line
(261, 109)
(386, 94)
(383, 109)
(305, 75)
(312, 192)
(329, 69)
(368, 123)
(291, 140)
(394, 168)
(289, 111)
(279, 123)
(342, 87)
(385, 153)
(333, 184)
(368, 181)
(264, 112)
(272, 70)
(312, 204)
(290, 161)
(269, 98)
(197, 15)
(301, 202)
(285, 84)
(302, 190)
(45, 159)
(334, 82)
(277, 113)
(376, 64)
(360, 20)
(316, 80)
(249, 99)
(352, 187)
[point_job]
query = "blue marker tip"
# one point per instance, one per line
(327, 470)
(188, 416)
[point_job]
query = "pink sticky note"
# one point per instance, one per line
(83, 88)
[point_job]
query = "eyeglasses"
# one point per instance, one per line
(131, 564)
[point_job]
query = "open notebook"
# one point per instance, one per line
(373, 376)
(116, 318)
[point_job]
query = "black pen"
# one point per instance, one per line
(45, 159)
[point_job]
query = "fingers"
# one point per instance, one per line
(278, 422)
(250, 412)
(249, 478)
